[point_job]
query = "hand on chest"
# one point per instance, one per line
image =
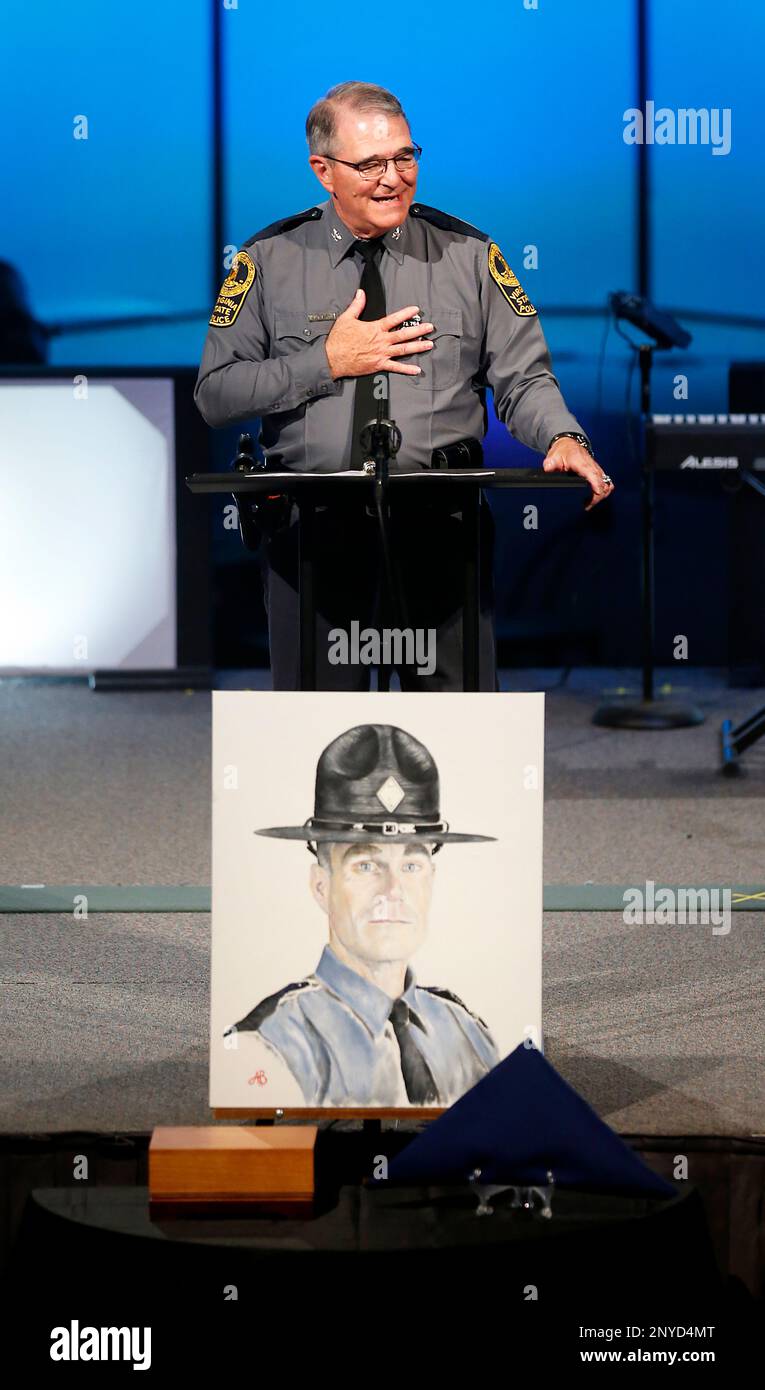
(455, 338)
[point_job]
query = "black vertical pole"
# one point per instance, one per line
(651, 713)
(646, 352)
(471, 550)
(647, 506)
(216, 138)
(643, 191)
(306, 596)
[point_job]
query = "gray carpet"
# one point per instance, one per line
(104, 1022)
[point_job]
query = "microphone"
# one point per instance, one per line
(641, 313)
(381, 434)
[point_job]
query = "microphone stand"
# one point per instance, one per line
(648, 713)
(381, 440)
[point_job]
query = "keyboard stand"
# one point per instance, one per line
(736, 740)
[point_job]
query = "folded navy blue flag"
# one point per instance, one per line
(518, 1122)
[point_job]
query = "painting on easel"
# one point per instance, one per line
(391, 966)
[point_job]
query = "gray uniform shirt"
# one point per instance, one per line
(333, 1032)
(265, 350)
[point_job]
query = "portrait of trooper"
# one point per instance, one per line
(361, 1030)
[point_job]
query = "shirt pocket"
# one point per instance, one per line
(441, 364)
(293, 327)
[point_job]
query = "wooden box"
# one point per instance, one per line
(195, 1169)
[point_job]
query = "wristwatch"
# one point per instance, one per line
(580, 439)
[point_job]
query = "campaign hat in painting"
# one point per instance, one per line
(375, 781)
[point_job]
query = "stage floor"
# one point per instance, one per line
(105, 1021)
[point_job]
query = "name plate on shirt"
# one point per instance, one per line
(214, 1167)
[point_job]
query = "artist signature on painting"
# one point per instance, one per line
(258, 1079)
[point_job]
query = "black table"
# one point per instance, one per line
(393, 1275)
(431, 1225)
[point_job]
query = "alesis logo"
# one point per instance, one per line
(709, 461)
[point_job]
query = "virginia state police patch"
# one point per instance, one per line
(509, 283)
(233, 291)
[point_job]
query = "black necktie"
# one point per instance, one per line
(418, 1078)
(365, 402)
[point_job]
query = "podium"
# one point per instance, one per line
(311, 490)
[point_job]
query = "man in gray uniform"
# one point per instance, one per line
(360, 1031)
(372, 294)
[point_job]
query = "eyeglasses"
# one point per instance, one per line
(376, 168)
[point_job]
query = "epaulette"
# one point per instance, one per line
(265, 1008)
(445, 221)
(285, 225)
(454, 999)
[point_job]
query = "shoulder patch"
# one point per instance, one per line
(509, 283)
(454, 999)
(445, 221)
(233, 291)
(266, 1007)
(285, 224)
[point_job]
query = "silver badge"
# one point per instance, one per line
(395, 234)
(391, 794)
(336, 234)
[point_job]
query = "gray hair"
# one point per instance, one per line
(359, 96)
